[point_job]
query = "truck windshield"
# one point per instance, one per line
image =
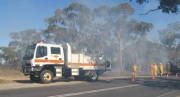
(29, 52)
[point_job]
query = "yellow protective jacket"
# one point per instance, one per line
(135, 68)
(155, 67)
(161, 67)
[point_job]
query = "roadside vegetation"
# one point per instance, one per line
(8, 74)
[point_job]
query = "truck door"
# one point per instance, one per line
(41, 56)
(56, 55)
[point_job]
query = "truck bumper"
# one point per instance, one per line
(27, 70)
(30, 70)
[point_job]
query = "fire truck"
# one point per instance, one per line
(43, 62)
(174, 66)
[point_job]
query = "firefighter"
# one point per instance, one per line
(160, 69)
(135, 69)
(151, 69)
(168, 68)
(155, 69)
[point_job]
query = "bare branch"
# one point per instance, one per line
(149, 11)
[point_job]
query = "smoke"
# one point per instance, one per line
(130, 43)
(111, 31)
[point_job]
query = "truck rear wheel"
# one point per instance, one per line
(93, 76)
(46, 76)
(34, 79)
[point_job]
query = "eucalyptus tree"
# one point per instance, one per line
(170, 38)
(20, 41)
(138, 32)
(56, 30)
(9, 56)
(70, 24)
(116, 18)
(123, 30)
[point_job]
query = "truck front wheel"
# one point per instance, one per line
(46, 76)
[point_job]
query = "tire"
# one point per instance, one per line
(93, 76)
(67, 73)
(46, 76)
(34, 79)
(66, 76)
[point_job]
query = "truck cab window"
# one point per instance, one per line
(41, 51)
(55, 50)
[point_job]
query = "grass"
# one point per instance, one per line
(4, 81)
(9, 74)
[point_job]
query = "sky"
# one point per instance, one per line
(20, 15)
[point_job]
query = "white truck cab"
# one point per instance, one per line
(44, 61)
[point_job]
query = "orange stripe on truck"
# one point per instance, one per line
(85, 64)
(50, 61)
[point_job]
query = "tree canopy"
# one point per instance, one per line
(170, 37)
(166, 6)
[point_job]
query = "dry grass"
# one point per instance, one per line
(9, 75)
(8, 71)
(4, 81)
